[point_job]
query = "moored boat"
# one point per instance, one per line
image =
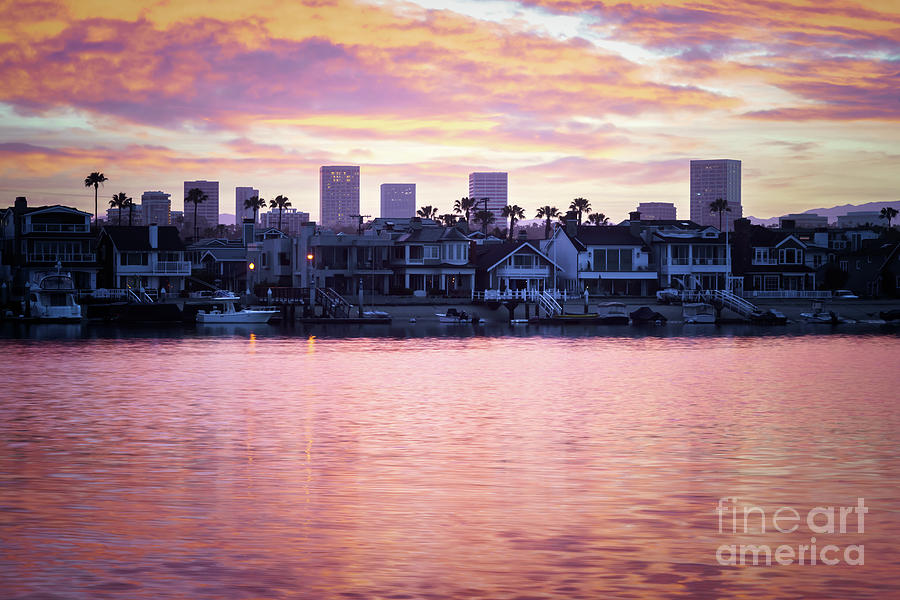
(51, 297)
(698, 312)
(612, 313)
(453, 316)
(227, 314)
(645, 314)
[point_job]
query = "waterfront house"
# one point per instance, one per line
(433, 259)
(151, 257)
(513, 266)
(34, 239)
(689, 256)
(874, 269)
(346, 262)
(772, 262)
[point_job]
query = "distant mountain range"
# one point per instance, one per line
(832, 213)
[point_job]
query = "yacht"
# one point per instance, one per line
(52, 297)
(227, 314)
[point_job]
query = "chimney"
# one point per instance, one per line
(21, 203)
(153, 233)
(247, 232)
(571, 224)
(634, 223)
(415, 223)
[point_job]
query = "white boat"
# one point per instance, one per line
(698, 312)
(51, 297)
(229, 315)
(453, 316)
(825, 318)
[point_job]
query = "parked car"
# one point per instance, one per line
(845, 295)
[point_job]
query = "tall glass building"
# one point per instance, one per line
(338, 195)
(713, 179)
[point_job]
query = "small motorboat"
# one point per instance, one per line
(646, 315)
(453, 316)
(229, 315)
(612, 313)
(825, 318)
(698, 312)
(768, 317)
(890, 315)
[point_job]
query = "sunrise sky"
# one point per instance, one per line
(608, 100)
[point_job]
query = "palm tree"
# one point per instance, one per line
(513, 212)
(254, 203)
(464, 206)
(485, 217)
(94, 180)
(427, 212)
(548, 213)
(119, 202)
(581, 206)
(130, 204)
(447, 220)
(719, 206)
(888, 213)
(280, 202)
(196, 197)
(597, 219)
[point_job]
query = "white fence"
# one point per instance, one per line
(814, 294)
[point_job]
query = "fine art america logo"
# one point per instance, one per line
(822, 520)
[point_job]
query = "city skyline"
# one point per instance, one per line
(802, 94)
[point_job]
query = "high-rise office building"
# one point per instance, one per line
(711, 180)
(240, 195)
(157, 208)
(657, 211)
(494, 187)
(134, 213)
(338, 195)
(398, 200)
(208, 210)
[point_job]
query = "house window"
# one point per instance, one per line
(523, 261)
(760, 256)
(416, 252)
(771, 283)
(432, 252)
(757, 282)
(264, 260)
(613, 259)
(845, 266)
(134, 258)
(789, 256)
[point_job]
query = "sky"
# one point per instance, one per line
(604, 100)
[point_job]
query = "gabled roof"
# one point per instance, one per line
(433, 234)
(137, 238)
(220, 254)
(55, 208)
(489, 256)
(763, 236)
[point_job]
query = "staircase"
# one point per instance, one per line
(729, 300)
(335, 304)
(547, 302)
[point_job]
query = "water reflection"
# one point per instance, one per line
(478, 466)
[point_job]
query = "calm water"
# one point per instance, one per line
(249, 465)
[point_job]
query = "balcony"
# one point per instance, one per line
(163, 267)
(710, 261)
(56, 228)
(52, 257)
(764, 261)
(523, 272)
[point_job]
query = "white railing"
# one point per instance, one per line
(765, 261)
(710, 261)
(62, 257)
(528, 295)
(815, 294)
(56, 228)
(549, 304)
(173, 267)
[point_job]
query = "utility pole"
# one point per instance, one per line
(360, 224)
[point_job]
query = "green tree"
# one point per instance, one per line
(119, 201)
(888, 213)
(447, 220)
(196, 197)
(94, 180)
(721, 207)
(548, 213)
(254, 203)
(514, 213)
(581, 206)
(427, 212)
(485, 217)
(281, 203)
(597, 219)
(464, 206)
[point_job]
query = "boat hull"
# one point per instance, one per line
(241, 317)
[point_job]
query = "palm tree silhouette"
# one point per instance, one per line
(427, 212)
(597, 219)
(94, 180)
(447, 220)
(888, 213)
(581, 206)
(255, 203)
(280, 202)
(719, 206)
(485, 217)
(548, 213)
(119, 202)
(196, 197)
(464, 206)
(513, 212)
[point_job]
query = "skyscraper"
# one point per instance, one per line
(241, 194)
(208, 210)
(156, 208)
(398, 200)
(494, 187)
(713, 179)
(338, 195)
(657, 211)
